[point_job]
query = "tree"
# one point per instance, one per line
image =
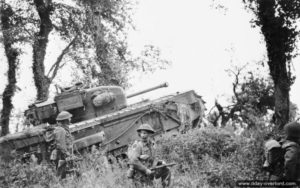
(252, 97)
(99, 26)
(21, 26)
(89, 72)
(107, 21)
(107, 26)
(96, 37)
(68, 27)
(85, 29)
(44, 9)
(277, 21)
(9, 29)
(38, 19)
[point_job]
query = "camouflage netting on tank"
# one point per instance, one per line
(184, 115)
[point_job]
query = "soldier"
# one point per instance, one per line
(292, 152)
(63, 143)
(141, 159)
(274, 156)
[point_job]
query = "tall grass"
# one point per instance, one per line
(213, 157)
(208, 157)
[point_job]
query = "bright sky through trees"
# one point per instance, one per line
(199, 39)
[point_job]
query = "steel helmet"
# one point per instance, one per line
(63, 115)
(292, 129)
(270, 144)
(146, 127)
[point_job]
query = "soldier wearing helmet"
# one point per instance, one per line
(292, 152)
(141, 155)
(63, 143)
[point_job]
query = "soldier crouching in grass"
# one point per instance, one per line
(142, 159)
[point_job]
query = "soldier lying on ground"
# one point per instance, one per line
(141, 159)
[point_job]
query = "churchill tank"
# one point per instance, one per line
(103, 118)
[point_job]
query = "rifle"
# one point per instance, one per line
(162, 165)
(74, 159)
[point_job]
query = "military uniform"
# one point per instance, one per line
(274, 159)
(141, 155)
(62, 145)
(291, 161)
(292, 152)
(63, 149)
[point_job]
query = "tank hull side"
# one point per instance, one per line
(120, 128)
(170, 113)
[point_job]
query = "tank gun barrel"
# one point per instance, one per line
(148, 90)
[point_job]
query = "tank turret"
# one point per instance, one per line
(82, 103)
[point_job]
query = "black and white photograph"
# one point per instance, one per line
(149, 93)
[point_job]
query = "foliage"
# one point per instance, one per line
(18, 174)
(95, 172)
(97, 47)
(95, 33)
(9, 27)
(20, 25)
(88, 71)
(150, 59)
(215, 156)
(277, 20)
(251, 103)
(110, 59)
(208, 157)
(107, 23)
(33, 21)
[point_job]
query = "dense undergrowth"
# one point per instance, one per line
(208, 157)
(213, 157)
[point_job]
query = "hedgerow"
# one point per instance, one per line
(218, 157)
(209, 157)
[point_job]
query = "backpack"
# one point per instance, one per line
(274, 155)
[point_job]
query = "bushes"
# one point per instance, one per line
(17, 174)
(217, 156)
(208, 157)
(94, 169)
(191, 147)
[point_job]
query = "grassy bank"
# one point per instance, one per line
(205, 158)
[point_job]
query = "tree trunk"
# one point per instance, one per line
(42, 82)
(11, 54)
(278, 38)
(281, 90)
(281, 104)
(108, 75)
